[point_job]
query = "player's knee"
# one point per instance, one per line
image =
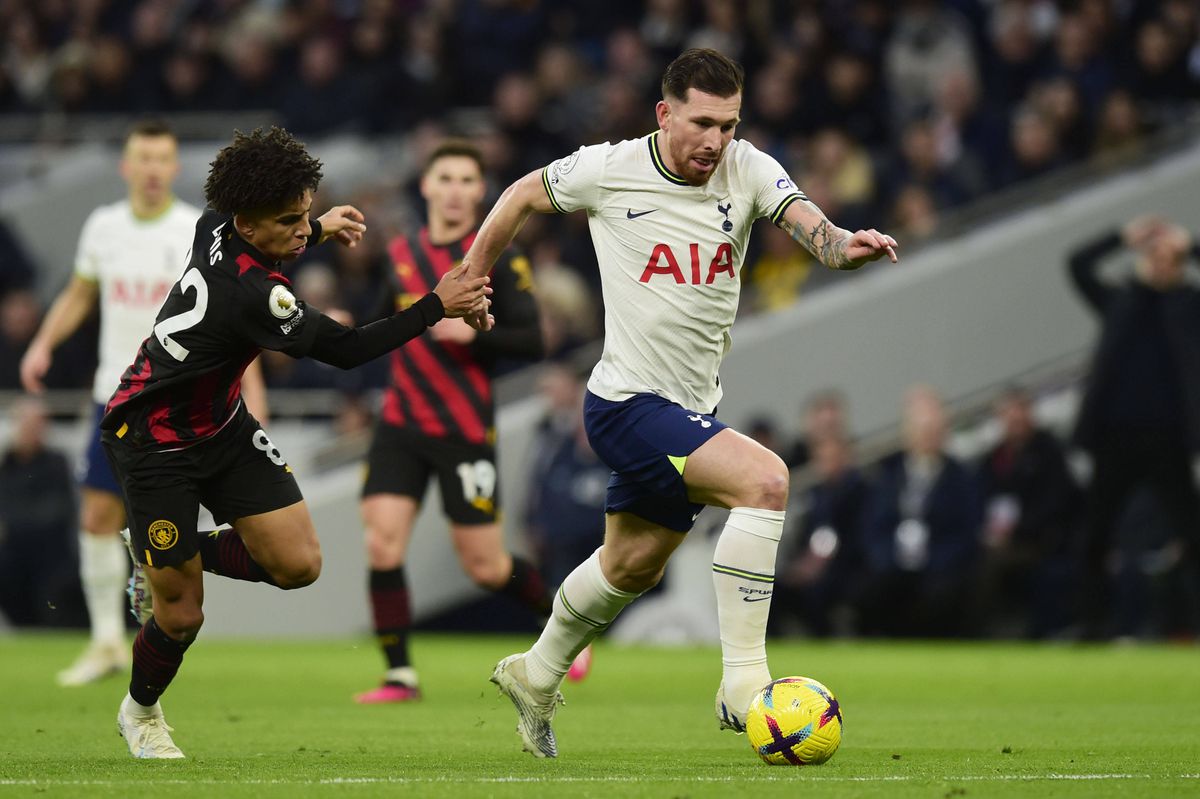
(485, 572)
(180, 620)
(383, 548)
(299, 572)
(770, 486)
(633, 575)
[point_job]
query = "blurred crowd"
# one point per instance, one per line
(922, 543)
(888, 114)
(1016, 542)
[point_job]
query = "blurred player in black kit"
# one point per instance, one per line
(438, 418)
(177, 432)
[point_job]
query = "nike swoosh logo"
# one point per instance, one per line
(631, 215)
(755, 598)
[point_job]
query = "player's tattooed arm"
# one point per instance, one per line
(826, 241)
(833, 246)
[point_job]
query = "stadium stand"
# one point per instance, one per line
(988, 137)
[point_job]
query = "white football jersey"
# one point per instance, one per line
(134, 262)
(670, 258)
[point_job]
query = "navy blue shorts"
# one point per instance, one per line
(95, 471)
(645, 440)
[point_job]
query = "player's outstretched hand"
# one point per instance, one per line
(870, 245)
(345, 223)
(463, 297)
(34, 365)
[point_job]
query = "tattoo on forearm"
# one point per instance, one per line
(826, 241)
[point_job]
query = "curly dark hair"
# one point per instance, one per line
(260, 172)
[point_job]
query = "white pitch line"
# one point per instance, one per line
(808, 776)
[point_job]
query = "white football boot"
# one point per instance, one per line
(148, 737)
(535, 711)
(727, 717)
(101, 659)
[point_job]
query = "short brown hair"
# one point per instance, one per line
(453, 148)
(703, 69)
(149, 126)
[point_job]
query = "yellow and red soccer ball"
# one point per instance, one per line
(796, 721)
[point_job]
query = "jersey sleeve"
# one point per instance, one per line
(87, 258)
(768, 183)
(273, 318)
(573, 182)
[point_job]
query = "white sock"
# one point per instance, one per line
(130, 707)
(406, 675)
(583, 608)
(104, 569)
(744, 577)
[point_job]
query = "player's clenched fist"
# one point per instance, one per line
(345, 223)
(461, 297)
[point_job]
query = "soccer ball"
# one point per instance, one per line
(794, 720)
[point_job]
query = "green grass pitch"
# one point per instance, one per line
(922, 720)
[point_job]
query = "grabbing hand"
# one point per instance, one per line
(870, 245)
(343, 222)
(461, 297)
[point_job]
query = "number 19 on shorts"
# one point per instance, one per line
(478, 484)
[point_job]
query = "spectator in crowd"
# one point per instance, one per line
(565, 507)
(322, 101)
(823, 415)
(1120, 135)
(1078, 56)
(845, 170)
(1014, 53)
(38, 576)
(929, 40)
(966, 130)
(921, 534)
(1029, 499)
(819, 583)
(847, 98)
(950, 182)
(1061, 105)
(915, 214)
(763, 430)
(1034, 147)
(664, 26)
(1159, 74)
(1140, 414)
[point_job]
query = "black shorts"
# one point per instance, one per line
(236, 473)
(401, 461)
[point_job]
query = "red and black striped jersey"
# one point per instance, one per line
(230, 303)
(444, 389)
